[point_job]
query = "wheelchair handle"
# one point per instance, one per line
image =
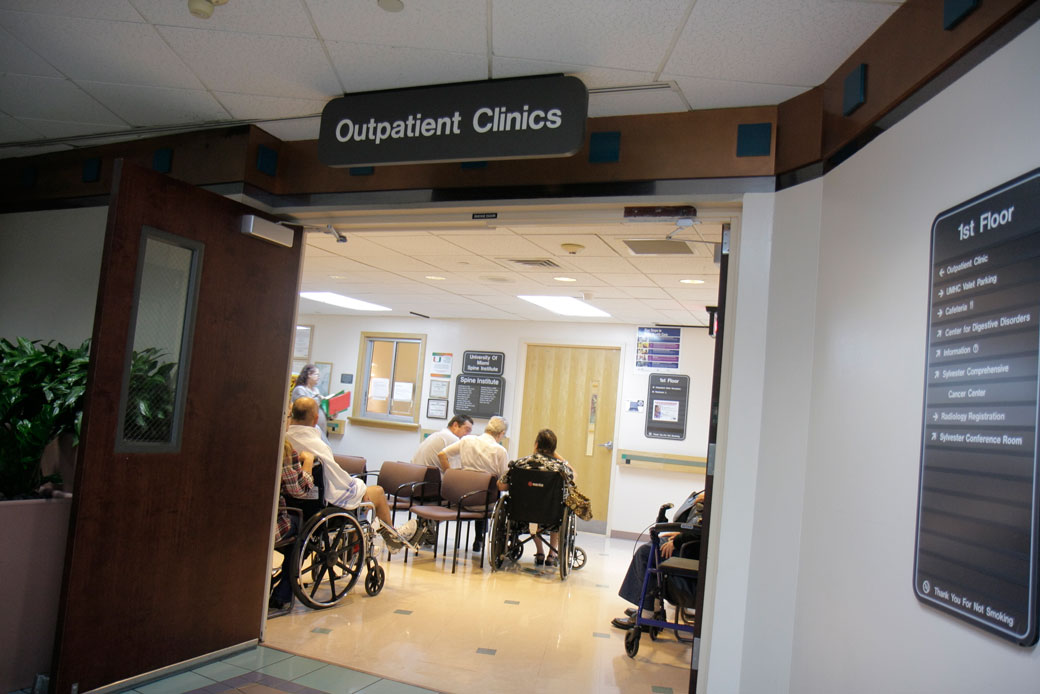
(661, 513)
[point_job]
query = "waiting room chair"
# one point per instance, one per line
(354, 465)
(468, 495)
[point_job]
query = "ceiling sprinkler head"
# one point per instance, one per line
(203, 9)
(572, 248)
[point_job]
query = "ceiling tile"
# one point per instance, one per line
(13, 130)
(593, 77)
(417, 244)
(110, 10)
(613, 265)
(703, 93)
(47, 98)
(497, 245)
(582, 281)
(784, 42)
(591, 245)
(462, 264)
(61, 128)
(663, 304)
(633, 34)
(396, 67)
(292, 130)
(674, 265)
(140, 105)
(258, 107)
(627, 280)
(447, 25)
(638, 102)
(101, 51)
(274, 17)
(647, 293)
(18, 59)
(254, 64)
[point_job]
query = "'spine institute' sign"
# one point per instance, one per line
(472, 121)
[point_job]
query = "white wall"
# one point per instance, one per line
(50, 263)
(337, 338)
(832, 539)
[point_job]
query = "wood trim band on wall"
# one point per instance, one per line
(903, 56)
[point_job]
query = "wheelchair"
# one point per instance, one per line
(535, 496)
(329, 553)
(676, 580)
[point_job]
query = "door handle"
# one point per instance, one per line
(609, 445)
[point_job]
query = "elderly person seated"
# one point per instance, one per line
(340, 488)
(543, 458)
(296, 482)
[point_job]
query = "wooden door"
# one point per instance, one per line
(573, 391)
(171, 525)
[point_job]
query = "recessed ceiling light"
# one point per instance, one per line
(691, 281)
(565, 279)
(565, 306)
(342, 301)
(435, 277)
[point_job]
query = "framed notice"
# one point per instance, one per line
(302, 342)
(437, 409)
(439, 387)
(324, 376)
(977, 535)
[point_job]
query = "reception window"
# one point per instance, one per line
(390, 388)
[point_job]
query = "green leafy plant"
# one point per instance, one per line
(41, 396)
(149, 411)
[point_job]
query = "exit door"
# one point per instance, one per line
(179, 449)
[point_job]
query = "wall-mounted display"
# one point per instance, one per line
(440, 364)
(667, 395)
(977, 536)
(658, 348)
(439, 387)
(480, 397)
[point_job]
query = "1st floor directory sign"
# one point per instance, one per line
(977, 530)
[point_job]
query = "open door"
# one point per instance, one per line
(179, 451)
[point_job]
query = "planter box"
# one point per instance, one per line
(32, 559)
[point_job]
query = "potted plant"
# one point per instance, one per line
(41, 397)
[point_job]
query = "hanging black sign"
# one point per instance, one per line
(666, 398)
(976, 548)
(471, 121)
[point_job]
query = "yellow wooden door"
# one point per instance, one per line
(573, 391)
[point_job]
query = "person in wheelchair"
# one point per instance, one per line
(543, 458)
(296, 482)
(340, 489)
(685, 544)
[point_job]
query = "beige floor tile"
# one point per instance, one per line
(543, 631)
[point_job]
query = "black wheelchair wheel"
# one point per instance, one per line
(578, 558)
(516, 547)
(499, 535)
(564, 551)
(632, 642)
(374, 580)
(327, 558)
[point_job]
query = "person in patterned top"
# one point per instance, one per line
(296, 481)
(543, 458)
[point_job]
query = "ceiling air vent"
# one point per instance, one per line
(658, 247)
(533, 262)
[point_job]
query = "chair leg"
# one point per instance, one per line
(455, 556)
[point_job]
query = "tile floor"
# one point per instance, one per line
(513, 631)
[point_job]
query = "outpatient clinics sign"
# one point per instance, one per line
(472, 121)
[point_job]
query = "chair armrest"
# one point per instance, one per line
(487, 500)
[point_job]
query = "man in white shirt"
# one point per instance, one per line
(340, 488)
(484, 453)
(459, 426)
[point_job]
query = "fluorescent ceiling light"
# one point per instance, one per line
(343, 301)
(691, 281)
(566, 306)
(565, 279)
(434, 277)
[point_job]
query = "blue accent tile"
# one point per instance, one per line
(362, 170)
(854, 89)
(321, 630)
(956, 10)
(176, 684)
(337, 680)
(754, 139)
(248, 678)
(92, 170)
(473, 165)
(291, 668)
(512, 602)
(402, 611)
(392, 687)
(661, 690)
(162, 160)
(600, 635)
(266, 160)
(487, 651)
(604, 148)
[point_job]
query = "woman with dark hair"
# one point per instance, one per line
(306, 386)
(544, 458)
